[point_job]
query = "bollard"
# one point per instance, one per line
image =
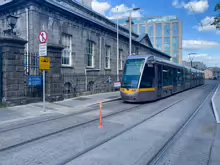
(100, 115)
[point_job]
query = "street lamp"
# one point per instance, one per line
(191, 58)
(130, 11)
(117, 49)
(11, 20)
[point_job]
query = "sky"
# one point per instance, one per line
(199, 36)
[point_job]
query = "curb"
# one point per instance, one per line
(214, 107)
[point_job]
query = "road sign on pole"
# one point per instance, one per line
(43, 37)
(44, 62)
(43, 49)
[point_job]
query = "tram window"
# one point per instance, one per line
(147, 77)
(175, 75)
(132, 72)
(167, 76)
(180, 76)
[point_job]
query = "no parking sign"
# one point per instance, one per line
(43, 37)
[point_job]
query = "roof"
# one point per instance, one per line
(147, 56)
(142, 36)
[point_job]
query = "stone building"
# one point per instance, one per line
(88, 40)
(216, 72)
(208, 74)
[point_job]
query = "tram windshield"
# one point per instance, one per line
(132, 72)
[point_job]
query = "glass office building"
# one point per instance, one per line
(165, 33)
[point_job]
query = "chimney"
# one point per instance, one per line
(128, 24)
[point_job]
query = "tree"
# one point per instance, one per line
(217, 18)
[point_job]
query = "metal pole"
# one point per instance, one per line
(130, 33)
(117, 49)
(44, 90)
(44, 87)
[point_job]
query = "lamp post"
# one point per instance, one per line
(191, 58)
(11, 20)
(130, 11)
(117, 49)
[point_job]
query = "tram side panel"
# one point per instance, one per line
(148, 84)
(187, 79)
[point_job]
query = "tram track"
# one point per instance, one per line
(48, 120)
(20, 125)
(87, 122)
(171, 141)
(120, 133)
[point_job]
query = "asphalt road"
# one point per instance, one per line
(133, 136)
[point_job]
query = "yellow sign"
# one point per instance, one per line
(44, 63)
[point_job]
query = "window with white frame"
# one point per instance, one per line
(67, 51)
(120, 59)
(107, 57)
(90, 53)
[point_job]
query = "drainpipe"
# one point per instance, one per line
(100, 54)
(85, 80)
(27, 37)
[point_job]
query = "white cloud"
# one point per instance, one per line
(121, 11)
(101, 7)
(209, 60)
(205, 25)
(105, 7)
(2, 2)
(192, 45)
(195, 6)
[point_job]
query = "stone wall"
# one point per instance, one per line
(12, 59)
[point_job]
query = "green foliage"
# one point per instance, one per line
(217, 7)
(217, 18)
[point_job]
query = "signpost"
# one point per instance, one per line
(35, 81)
(43, 49)
(44, 61)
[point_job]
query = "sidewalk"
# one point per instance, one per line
(214, 157)
(68, 106)
(216, 104)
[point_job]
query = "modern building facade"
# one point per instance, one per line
(165, 33)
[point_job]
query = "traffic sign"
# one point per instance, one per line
(43, 36)
(117, 84)
(35, 80)
(44, 63)
(43, 49)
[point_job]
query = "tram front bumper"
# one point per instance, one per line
(134, 95)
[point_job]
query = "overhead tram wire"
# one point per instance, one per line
(201, 25)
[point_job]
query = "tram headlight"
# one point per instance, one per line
(134, 90)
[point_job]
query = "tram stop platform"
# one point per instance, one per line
(68, 106)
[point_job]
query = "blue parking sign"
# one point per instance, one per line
(35, 81)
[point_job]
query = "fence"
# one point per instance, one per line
(72, 85)
(76, 85)
(33, 91)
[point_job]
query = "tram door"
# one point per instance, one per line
(159, 80)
